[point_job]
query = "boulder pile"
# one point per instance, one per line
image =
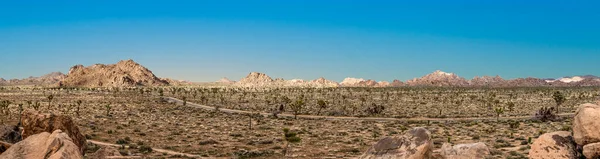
(42, 136)
(584, 141)
(417, 144)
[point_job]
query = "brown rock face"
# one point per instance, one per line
(465, 151)
(125, 73)
(586, 124)
(591, 150)
(414, 144)
(558, 144)
(57, 145)
(34, 123)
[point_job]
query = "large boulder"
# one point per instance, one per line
(553, 145)
(591, 150)
(414, 144)
(586, 124)
(105, 152)
(57, 145)
(10, 134)
(35, 122)
(465, 151)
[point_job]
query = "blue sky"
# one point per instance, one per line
(380, 40)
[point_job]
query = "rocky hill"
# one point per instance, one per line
(126, 73)
(351, 82)
(487, 81)
(46, 80)
(438, 78)
(225, 80)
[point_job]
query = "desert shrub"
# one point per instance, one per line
(145, 149)
(545, 114)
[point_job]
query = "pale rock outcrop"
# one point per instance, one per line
(487, 81)
(414, 144)
(255, 79)
(553, 145)
(383, 84)
(465, 151)
(225, 80)
(592, 150)
(586, 124)
(350, 82)
(322, 82)
(35, 122)
(57, 145)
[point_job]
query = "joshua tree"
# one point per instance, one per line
(297, 107)
(510, 105)
(559, 98)
(4, 105)
(290, 137)
(36, 105)
(108, 107)
(499, 110)
(50, 97)
(203, 99)
(161, 92)
(79, 102)
(322, 105)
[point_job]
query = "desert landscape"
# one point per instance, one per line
(123, 110)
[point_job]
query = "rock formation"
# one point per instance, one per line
(438, 78)
(584, 141)
(57, 145)
(50, 79)
(553, 145)
(255, 79)
(126, 73)
(415, 143)
(225, 80)
(34, 123)
(351, 82)
(465, 151)
(322, 82)
(487, 81)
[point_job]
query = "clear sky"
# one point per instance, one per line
(381, 40)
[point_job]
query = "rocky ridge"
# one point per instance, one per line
(125, 73)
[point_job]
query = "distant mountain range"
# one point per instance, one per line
(435, 79)
(127, 73)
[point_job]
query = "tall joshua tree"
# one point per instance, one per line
(559, 98)
(50, 97)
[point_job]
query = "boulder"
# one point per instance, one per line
(10, 134)
(591, 150)
(586, 123)
(105, 152)
(57, 145)
(558, 144)
(465, 151)
(34, 123)
(414, 144)
(4, 146)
